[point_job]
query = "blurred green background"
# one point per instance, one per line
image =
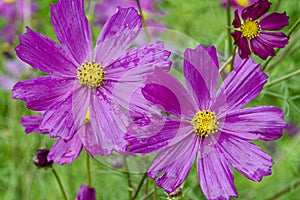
(204, 22)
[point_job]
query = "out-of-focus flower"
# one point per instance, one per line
(15, 69)
(238, 4)
(86, 193)
(207, 124)
(259, 33)
(14, 11)
(106, 8)
(78, 99)
(40, 158)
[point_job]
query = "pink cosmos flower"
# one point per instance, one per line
(14, 11)
(77, 99)
(259, 33)
(205, 123)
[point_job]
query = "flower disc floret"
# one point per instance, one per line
(91, 74)
(9, 1)
(250, 29)
(205, 123)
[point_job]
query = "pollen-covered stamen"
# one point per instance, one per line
(205, 123)
(91, 74)
(250, 29)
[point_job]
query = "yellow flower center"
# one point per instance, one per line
(243, 3)
(91, 74)
(205, 123)
(9, 1)
(250, 29)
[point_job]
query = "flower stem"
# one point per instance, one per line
(283, 78)
(128, 179)
(285, 190)
(88, 170)
(225, 64)
(155, 191)
(232, 59)
(295, 25)
(59, 184)
(143, 20)
(228, 26)
(139, 186)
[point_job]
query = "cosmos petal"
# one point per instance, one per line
(44, 54)
(32, 124)
(41, 92)
(260, 48)
(67, 115)
(172, 165)
(236, 21)
(240, 87)
(256, 10)
(274, 39)
(65, 152)
(117, 35)
(215, 174)
(201, 71)
(72, 29)
(274, 21)
(247, 158)
(263, 122)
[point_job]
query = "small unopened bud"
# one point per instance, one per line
(176, 194)
(40, 158)
(86, 193)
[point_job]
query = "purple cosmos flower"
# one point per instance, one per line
(15, 69)
(106, 8)
(40, 158)
(86, 193)
(78, 98)
(13, 11)
(207, 124)
(259, 32)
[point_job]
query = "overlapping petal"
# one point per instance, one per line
(45, 55)
(72, 29)
(274, 39)
(247, 158)
(256, 10)
(262, 49)
(117, 35)
(201, 71)
(173, 164)
(215, 174)
(41, 92)
(64, 118)
(65, 152)
(263, 122)
(242, 43)
(158, 134)
(108, 121)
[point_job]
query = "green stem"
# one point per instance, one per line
(285, 190)
(283, 78)
(229, 26)
(225, 64)
(143, 20)
(59, 184)
(277, 5)
(139, 186)
(88, 170)
(155, 191)
(232, 59)
(295, 25)
(128, 179)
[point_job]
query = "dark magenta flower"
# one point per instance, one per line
(207, 124)
(86, 193)
(259, 34)
(78, 98)
(13, 12)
